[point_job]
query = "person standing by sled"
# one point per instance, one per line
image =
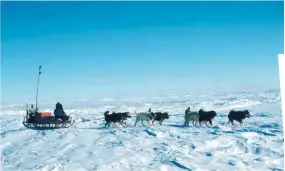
(32, 114)
(59, 112)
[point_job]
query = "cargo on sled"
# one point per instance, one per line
(44, 120)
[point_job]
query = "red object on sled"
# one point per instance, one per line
(44, 114)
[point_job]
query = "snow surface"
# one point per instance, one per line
(87, 145)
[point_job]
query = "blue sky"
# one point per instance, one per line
(106, 48)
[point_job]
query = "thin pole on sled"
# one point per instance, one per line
(38, 87)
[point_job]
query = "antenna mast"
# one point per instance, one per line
(38, 87)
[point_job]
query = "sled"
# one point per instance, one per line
(44, 120)
(47, 122)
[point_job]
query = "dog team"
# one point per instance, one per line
(194, 116)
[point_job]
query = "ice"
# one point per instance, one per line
(88, 145)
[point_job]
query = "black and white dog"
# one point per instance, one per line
(205, 116)
(238, 116)
(159, 116)
(115, 117)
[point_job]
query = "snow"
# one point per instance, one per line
(88, 145)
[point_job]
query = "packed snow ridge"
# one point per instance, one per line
(88, 145)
